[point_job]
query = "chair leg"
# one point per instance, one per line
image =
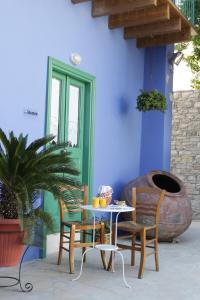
(61, 244)
(102, 239)
(110, 263)
(143, 253)
(133, 250)
(156, 250)
(84, 248)
(71, 249)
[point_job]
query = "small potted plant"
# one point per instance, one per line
(106, 231)
(25, 172)
(152, 100)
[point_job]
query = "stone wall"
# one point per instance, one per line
(185, 150)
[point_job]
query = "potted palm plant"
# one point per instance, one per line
(27, 170)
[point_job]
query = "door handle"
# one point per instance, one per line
(53, 143)
(63, 151)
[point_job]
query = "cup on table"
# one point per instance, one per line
(102, 202)
(95, 202)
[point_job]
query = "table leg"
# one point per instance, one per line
(81, 270)
(111, 265)
(124, 279)
(113, 261)
(87, 250)
(111, 228)
(112, 255)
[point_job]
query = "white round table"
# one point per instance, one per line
(106, 247)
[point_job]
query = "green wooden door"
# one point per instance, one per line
(70, 117)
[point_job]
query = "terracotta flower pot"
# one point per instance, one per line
(175, 212)
(11, 246)
(106, 238)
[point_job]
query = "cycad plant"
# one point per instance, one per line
(27, 170)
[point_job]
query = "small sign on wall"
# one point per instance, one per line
(30, 112)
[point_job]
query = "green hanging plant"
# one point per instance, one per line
(152, 100)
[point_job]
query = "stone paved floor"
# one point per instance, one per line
(178, 279)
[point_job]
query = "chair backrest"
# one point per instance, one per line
(76, 196)
(147, 202)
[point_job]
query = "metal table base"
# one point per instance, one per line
(105, 247)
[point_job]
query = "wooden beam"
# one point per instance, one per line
(150, 30)
(165, 39)
(147, 19)
(79, 1)
(140, 17)
(112, 7)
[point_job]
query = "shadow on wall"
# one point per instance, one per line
(124, 106)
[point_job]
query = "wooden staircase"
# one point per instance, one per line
(151, 22)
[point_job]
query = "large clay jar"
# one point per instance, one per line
(175, 212)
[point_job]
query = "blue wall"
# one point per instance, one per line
(156, 126)
(33, 30)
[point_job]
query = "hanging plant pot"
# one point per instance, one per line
(152, 100)
(11, 246)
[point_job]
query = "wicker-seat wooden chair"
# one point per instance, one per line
(69, 229)
(149, 213)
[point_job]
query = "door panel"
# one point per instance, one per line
(56, 128)
(74, 130)
(66, 122)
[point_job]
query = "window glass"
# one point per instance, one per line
(73, 117)
(55, 99)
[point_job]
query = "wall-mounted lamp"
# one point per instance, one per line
(175, 58)
(75, 59)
